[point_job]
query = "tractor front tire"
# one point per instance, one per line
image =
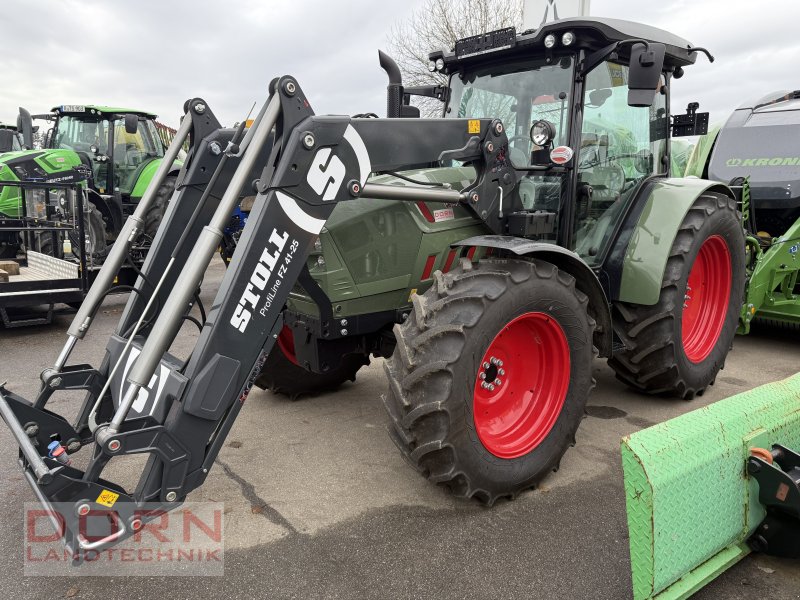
(678, 346)
(155, 213)
(283, 375)
(489, 380)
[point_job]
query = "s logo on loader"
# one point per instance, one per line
(326, 174)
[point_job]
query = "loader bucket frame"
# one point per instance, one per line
(141, 400)
(691, 505)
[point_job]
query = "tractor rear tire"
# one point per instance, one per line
(282, 375)
(520, 326)
(678, 346)
(155, 213)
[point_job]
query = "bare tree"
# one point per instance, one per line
(436, 25)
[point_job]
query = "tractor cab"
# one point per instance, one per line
(115, 144)
(9, 139)
(585, 104)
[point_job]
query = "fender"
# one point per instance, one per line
(111, 210)
(638, 256)
(566, 260)
(146, 176)
(697, 166)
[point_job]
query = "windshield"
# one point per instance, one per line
(519, 94)
(131, 152)
(9, 141)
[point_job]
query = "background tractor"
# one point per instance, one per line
(115, 150)
(491, 314)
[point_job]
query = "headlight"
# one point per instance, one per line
(550, 41)
(431, 66)
(568, 38)
(542, 133)
(439, 64)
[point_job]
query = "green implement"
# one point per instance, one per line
(691, 505)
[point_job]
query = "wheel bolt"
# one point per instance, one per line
(494, 360)
(499, 363)
(486, 365)
(498, 382)
(482, 375)
(490, 387)
(501, 371)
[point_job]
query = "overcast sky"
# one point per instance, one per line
(154, 55)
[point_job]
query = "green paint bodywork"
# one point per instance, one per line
(146, 176)
(52, 162)
(772, 280)
(679, 153)
(701, 153)
(649, 247)
(375, 251)
(690, 505)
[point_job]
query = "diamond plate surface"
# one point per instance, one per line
(686, 491)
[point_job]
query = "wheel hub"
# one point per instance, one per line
(491, 374)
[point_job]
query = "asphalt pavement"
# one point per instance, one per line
(320, 504)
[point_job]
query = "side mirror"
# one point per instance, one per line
(25, 127)
(645, 73)
(131, 123)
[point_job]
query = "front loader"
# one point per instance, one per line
(143, 400)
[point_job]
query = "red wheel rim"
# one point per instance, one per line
(530, 359)
(705, 304)
(286, 344)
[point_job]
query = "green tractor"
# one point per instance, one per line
(491, 314)
(115, 150)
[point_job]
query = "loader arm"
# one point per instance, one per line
(141, 399)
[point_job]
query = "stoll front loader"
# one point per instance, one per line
(590, 247)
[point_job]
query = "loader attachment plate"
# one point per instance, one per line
(691, 505)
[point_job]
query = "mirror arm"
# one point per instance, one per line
(594, 59)
(439, 92)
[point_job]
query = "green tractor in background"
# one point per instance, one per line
(114, 150)
(491, 314)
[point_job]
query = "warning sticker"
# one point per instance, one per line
(443, 214)
(411, 295)
(107, 498)
(474, 126)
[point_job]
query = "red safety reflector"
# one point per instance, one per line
(451, 256)
(471, 252)
(426, 212)
(426, 273)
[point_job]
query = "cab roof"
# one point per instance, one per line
(591, 34)
(97, 109)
